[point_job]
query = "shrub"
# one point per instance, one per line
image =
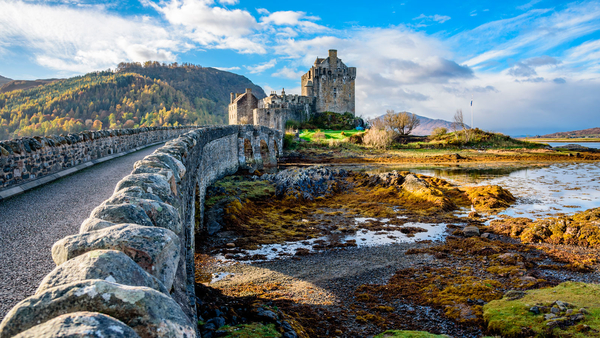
(357, 138)
(439, 131)
(289, 141)
(318, 135)
(292, 124)
(378, 138)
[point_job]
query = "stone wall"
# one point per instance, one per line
(29, 158)
(130, 270)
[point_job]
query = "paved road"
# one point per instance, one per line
(31, 222)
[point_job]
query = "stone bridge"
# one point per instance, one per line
(130, 270)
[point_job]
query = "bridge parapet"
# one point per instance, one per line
(132, 263)
(27, 160)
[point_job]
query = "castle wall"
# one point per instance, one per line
(131, 267)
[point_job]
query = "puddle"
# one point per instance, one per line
(219, 276)
(362, 238)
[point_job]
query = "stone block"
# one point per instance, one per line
(154, 249)
(93, 224)
(122, 213)
(80, 324)
(148, 312)
(161, 214)
(110, 265)
(150, 183)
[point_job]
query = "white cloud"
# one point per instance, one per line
(228, 2)
(227, 69)
(262, 11)
(212, 26)
(82, 39)
(259, 68)
(288, 73)
(528, 5)
(295, 19)
(436, 18)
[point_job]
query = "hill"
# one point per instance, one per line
(427, 125)
(134, 95)
(4, 80)
(23, 84)
(590, 132)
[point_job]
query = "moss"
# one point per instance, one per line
(580, 229)
(254, 330)
(512, 318)
(489, 197)
(408, 334)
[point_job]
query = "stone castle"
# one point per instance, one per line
(327, 87)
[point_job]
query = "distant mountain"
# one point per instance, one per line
(595, 132)
(427, 125)
(23, 84)
(134, 95)
(4, 80)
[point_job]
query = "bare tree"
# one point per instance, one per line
(459, 125)
(402, 123)
(459, 121)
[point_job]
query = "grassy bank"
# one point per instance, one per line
(566, 140)
(335, 146)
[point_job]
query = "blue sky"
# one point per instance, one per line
(532, 66)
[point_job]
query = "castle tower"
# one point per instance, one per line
(332, 84)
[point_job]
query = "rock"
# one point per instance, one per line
(289, 334)
(230, 245)
(148, 312)
(217, 322)
(549, 316)
(80, 324)
(555, 310)
(535, 310)
(122, 213)
(154, 249)
(267, 315)
(414, 184)
(307, 184)
(584, 311)
(514, 294)
(474, 214)
(471, 231)
(510, 258)
(161, 214)
(110, 265)
(465, 312)
(486, 235)
(93, 224)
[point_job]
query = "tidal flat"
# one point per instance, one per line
(402, 247)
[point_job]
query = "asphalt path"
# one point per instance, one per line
(32, 222)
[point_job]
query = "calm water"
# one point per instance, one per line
(585, 144)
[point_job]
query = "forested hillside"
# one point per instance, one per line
(134, 95)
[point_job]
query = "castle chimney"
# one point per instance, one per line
(333, 58)
(231, 97)
(248, 90)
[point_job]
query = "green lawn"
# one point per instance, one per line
(329, 134)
